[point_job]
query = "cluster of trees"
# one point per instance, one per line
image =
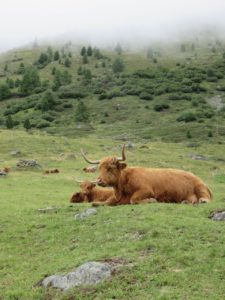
(61, 78)
(49, 55)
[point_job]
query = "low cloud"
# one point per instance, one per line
(106, 21)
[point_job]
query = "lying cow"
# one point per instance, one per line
(90, 169)
(89, 193)
(142, 185)
(54, 171)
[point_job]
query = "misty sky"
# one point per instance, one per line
(21, 21)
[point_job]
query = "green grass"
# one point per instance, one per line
(173, 251)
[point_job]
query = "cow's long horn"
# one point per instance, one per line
(79, 181)
(91, 181)
(123, 158)
(94, 162)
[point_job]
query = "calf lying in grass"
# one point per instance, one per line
(90, 193)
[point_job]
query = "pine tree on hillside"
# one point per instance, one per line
(81, 114)
(118, 65)
(83, 51)
(89, 51)
(85, 59)
(50, 54)
(67, 63)
(9, 122)
(4, 91)
(30, 80)
(56, 55)
(27, 124)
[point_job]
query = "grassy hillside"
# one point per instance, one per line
(166, 92)
(172, 251)
(168, 101)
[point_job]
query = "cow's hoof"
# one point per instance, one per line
(203, 200)
(185, 202)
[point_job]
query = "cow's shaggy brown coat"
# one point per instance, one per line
(137, 185)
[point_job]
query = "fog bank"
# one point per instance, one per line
(105, 22)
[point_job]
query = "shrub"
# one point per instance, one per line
(145, 96)
(210, 134)
(161, 107)
(179, 96)
(144, 74)
(102, 96)
(67, 105)
(188, 134)
(70, 91)
(42, 124)
(187, 117)
(47, 117)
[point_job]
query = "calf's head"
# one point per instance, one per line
(78, 198)
(109, 168)
(87, 187)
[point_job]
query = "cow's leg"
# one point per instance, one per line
(204, 195)
(191, 199)
(142, 197)
(111, 201)
(204, 200)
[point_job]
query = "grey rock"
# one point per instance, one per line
(198, 157)
(15, 152)
(2, 173)
(89, 273)
(23, 163)
(71, 156)
(48, 209)
(85, 214)
(219, 216)
(130, 145)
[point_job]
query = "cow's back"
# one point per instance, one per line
(166, 185)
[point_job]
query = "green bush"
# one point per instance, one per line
(179, 97)
(102, 96)
(70, 91)
(145, 96)
(67, 105)
(42, 124)
(187, 117)
(161, 107)
(47, 117)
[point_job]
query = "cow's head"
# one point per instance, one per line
(109, 168)
(78, 198)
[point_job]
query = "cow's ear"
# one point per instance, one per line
(122, 166)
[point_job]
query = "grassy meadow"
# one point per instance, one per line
(171, 251)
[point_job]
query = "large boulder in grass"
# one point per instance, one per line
(218, 216)
(85, 214)
(89, 273)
